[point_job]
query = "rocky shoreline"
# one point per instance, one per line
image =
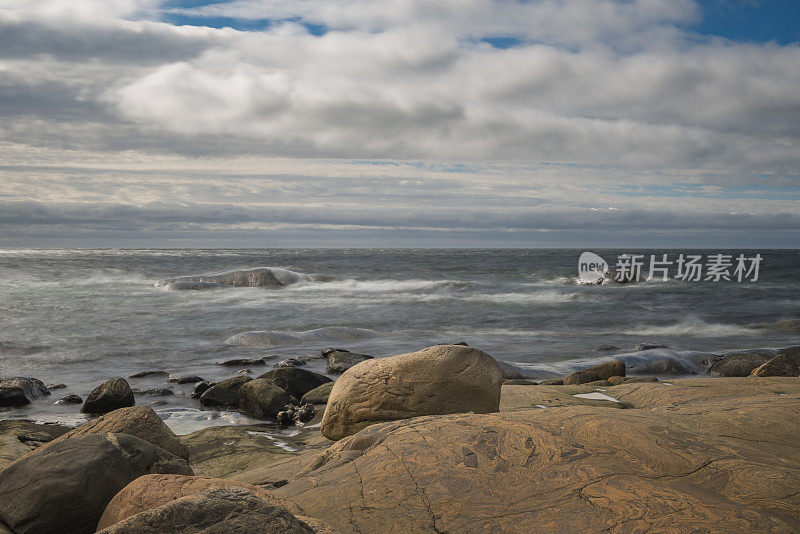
(444, 439)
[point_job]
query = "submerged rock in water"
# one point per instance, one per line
(604, 348)
(70, 399)
(143, 374)
(20, 391)
(274, 338)
(66, 485)
(184, 379)
(256, 277)
(290, 362)
(200, 388)
(108, 396)
(243, 361)
(603, 371)
(649, 346)
(437, 380)
(56, 386)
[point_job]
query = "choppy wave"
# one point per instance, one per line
(694, 327)
(276, 338)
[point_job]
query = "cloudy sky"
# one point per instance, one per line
(258, 123)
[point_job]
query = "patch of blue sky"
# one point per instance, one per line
(751, 20)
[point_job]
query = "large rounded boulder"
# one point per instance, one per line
(224, 394)
(19, 391)
(153, 491)
(108, 396)
(438, 380)
(140, 421)
(65, 486)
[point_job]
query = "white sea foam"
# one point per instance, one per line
(692, 326)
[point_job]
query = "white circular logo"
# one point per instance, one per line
(591, 268)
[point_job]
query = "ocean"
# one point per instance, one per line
(80, 317)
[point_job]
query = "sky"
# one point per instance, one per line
(400, 123)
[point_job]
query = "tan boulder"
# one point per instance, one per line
(604, 371)
(213, 511)
(698, 455)
(140, 421)
(151, 491)
(437, 380)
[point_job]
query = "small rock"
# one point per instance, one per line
(153, 392)
(20, 391)
(604, 371)
(243, 361)
(328, 350)
(225, 393)
(56, 386)
(781, 365)
(552, 382)
(70, 399)
(291, 362)
(108, 396)
(143, 374)
(603, 348)
(201, 388)
(184, 379)
(305, 413)
(649, 346)
(340, 361)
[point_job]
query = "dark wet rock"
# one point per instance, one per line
(603, 348)
(144, 374)
(290, 362)
(152, 491)
(739, 364)
(649, 346)
(191, 286)
(436, 380)
(243, 361)
(318, 395)
(305, 413)
(256, 277)
(340, 361)
(56, 386)
(518, 382)
(20, 391)
(782, 365)
(324, 352)
(184, 379)
(153, 392)
(552, 382)
(65, 486)
(262, 398)
(108, 396)
(603, 371)
(296, 382)
(139, 421)
(70, 399)
(243, 372)
(200, 388)
(217, 510)
(225, 393)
